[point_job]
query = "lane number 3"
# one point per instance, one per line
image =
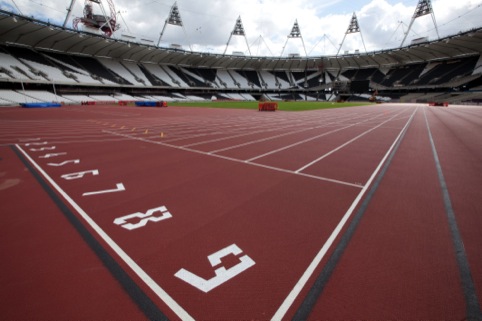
(222, 274)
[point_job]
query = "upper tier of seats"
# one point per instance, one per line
(27, 65)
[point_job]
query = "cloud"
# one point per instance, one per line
(267, 23)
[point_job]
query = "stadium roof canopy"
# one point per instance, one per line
(27, 32)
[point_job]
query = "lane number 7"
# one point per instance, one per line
(222, 274)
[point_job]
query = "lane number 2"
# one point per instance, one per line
(222, 274)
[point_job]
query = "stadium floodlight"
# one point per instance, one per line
(69, 12)
(174, 19)
(238, 31)
(295, 33)
(17, 7)
(354, 27)
(424, 7)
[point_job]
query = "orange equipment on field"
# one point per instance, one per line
(267, 106)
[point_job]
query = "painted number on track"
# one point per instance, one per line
(143, 218)
(222, 274)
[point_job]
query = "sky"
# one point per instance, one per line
(207, 24)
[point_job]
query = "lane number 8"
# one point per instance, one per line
(143, 217)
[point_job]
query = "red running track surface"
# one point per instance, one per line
(237, 214)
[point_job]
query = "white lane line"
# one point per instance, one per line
(166, 298)
(236, 160)
(238, 135)
(256, 126)
(345, 144)
(309, 139)
(280, 313)
(269, 138)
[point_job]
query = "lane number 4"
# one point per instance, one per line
(222, 274)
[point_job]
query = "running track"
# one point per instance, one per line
(132, 213)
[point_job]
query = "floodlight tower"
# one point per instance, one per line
(354, 27)
(107, 24)
(295, 33)
(423, 8)
(175, 20)
(238, 31)
(69, 12)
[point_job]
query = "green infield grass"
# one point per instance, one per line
(282, 105)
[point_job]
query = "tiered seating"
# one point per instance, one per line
(125, 97)
(134, 69)
(272, 81)
(194, 98)
(160, 98)
(239, 79)
(201, 77)
(463, 68)
(283, 78)
(403, 76)
(6, 62)
(81, 75)
(252, 77)
(158, 72)
(17, 97)
(119, 69)
(52, 73)
(4, 103)
(247, 97)
(225, 79)
(203, 74)
(350, 74)
(175, 77)
(77, 98)
(44, 96)
(16, 68)
(411, 97)
(307, 79)
(188, 78)
(95, 68)
(178, 96)
(103, 98)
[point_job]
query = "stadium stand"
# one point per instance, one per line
(449, 68)
(17, 97)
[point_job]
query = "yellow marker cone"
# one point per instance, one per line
(162, 135)
(146, 132)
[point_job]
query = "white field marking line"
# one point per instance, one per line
(50, 137)
(345, 144)
(107, 140)
(308, 139)
(243, 131)
(268, 138)
(166, 298)
(247, 134)
(236, 160)
(188, 137)
(280, 313)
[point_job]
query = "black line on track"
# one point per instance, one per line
(473, 309)
(145, 304)
(316, 290)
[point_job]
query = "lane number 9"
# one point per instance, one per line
(222, 274)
